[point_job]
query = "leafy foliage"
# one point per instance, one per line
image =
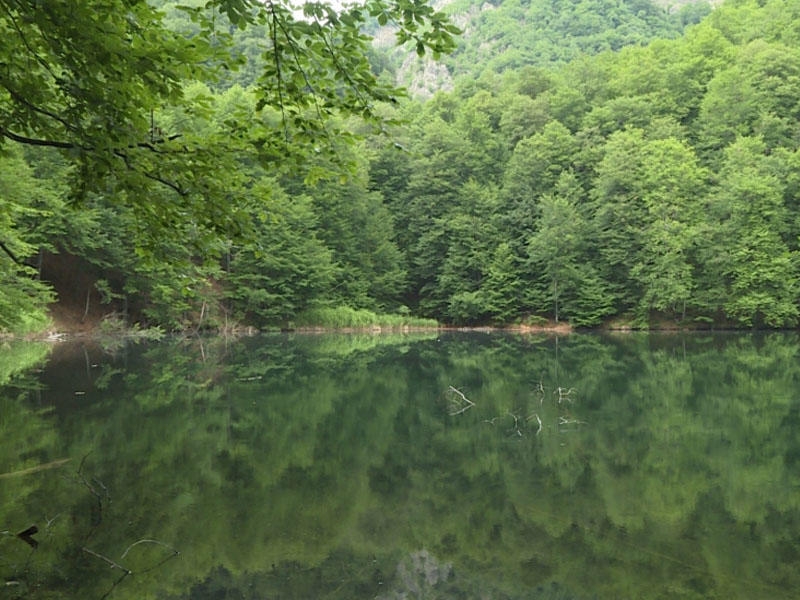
(651, 183)
(508, 35)
(227, 174)
(21, 293)
(133, 96)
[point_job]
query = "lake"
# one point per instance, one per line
(432, 465)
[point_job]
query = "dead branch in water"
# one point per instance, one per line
(564, 394)
(462, 406)
(515, 428)
(538, 420)
(147, 541)
(107, 560)
(27, 536)
(568, 421)
(540, 390)
(51, 465)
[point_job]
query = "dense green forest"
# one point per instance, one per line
(230, 165)
(511, 34)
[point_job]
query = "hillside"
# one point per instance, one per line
(654, 183)
(509, 34)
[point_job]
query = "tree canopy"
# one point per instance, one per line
(126, 92)
(215, 163)
(99, 80)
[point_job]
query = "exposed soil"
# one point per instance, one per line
(71, 319)
(79, 308)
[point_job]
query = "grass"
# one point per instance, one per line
(344, 317)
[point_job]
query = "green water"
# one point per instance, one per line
(436, 466)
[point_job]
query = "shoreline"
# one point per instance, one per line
(96, 333)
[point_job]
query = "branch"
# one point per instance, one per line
(152, 148)
(467, 402)
(279, 23)
(37, 468)
(22, 100)
(339, 68)
(147, 541)
(564, 394)
(538, 420)
(298, 63)
(516, 428)
(27, 536)
(10, 253)
(107, 560)
(273, 29)
(173, 186)
(42, 62)
(92, 490)
(36, 142)
(71, 146)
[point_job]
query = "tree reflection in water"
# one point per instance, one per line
(638, 466)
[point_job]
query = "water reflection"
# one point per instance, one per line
(457, 466)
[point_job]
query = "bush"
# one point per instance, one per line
(344, 317)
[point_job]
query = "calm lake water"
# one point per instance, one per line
(398, 467)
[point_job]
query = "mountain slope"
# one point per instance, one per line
(508, 34)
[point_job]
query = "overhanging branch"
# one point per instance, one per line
(22, 139)
(173, 186)
(70, 146)
(10, 253)
(36, 142)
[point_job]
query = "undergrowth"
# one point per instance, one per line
(344, 317)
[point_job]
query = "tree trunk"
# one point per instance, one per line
(555, 296)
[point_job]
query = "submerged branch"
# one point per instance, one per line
(467, 403)
(148, 541)
(107, 560)
(564, 394)
(51, 465)
(515, 428)
(538, 420)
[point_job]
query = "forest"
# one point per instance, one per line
(231, 163)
